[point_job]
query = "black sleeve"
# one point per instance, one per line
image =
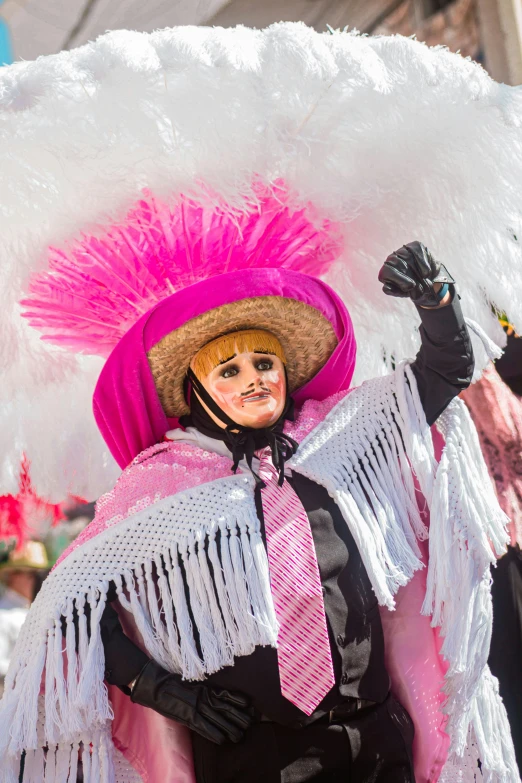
(444, 365)
(123, 659)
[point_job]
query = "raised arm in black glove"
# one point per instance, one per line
(216, 714)
(413, 272)
(444, 364)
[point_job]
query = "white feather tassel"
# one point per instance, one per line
(493, 350)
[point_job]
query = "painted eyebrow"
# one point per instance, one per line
(261, 353)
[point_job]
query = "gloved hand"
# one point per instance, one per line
(411, 272)
(214, 713)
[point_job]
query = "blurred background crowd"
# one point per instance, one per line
(33, 533)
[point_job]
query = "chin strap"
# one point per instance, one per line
(248, 441)
(243, 442)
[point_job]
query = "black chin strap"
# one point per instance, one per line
(243, 442)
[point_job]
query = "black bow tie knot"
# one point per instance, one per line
(244, 443)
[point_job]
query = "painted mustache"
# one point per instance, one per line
(255, 394)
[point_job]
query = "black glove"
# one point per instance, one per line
(411, 272)
(216, 714)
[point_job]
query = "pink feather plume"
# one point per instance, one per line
(22, 516)
(97, 287)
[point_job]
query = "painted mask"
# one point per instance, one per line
(245, 375)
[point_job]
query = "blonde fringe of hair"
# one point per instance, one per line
(225, 347)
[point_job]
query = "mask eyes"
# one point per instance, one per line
(262, 365)
(229, 372)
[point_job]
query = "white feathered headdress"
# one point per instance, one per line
(388, 138)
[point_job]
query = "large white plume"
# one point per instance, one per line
(394, 139)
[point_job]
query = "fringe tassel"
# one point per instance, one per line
(262, 613)
(192, 664)
(266, 611)
(52, 720)
(59, 763)
(229, 598)
(141, 593)
(417, 525)
(60, 688)
(63, 761)
(223, 595)
(248, 625)
(167, 604)
(221, 639)
(86, 763)
(400, 491)
(386, 552)
(72, 668)
(490, 737)
(50, 764)
(151, 588)
(95, 772)
(202, 617)
(414, 429)
(370, 546)
(98, 757)
(20, 703)
(130, 600)
(92, 691)
(493, 351)
(230, 603)
(73, 762)
(34, 766)
(388, 506)
(106, 755)
(238, 597)
(83, 636)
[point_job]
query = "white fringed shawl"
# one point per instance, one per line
(362, 452)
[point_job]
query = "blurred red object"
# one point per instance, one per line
(26, 516)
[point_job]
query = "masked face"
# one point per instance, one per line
(250, 388)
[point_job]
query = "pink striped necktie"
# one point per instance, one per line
(303, 647)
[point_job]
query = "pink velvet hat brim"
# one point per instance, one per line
(126, 404)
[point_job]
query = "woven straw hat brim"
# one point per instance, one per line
(307, 337)
(32, 557)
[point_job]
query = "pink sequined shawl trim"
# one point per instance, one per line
(171, 467)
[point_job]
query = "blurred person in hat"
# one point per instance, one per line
(22, 571)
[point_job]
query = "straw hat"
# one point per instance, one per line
(31, 556)
(307, 337)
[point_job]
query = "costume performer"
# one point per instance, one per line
(294, 731)
(186, 610)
